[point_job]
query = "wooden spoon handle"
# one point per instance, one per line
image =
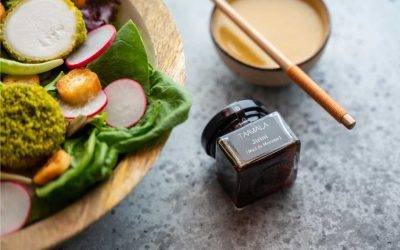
(316, 92)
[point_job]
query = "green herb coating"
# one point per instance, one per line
(31, 125)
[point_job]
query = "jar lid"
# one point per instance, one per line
(234, 111)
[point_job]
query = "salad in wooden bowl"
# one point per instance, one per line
(76, 96)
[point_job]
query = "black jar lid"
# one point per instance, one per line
(234, 111)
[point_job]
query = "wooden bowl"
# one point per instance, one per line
(164, 46)
(273, 76)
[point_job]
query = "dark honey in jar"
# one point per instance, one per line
(256, 152)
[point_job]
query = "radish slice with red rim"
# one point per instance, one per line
(97, 42)
(91, 108)
(15, 207)
(126, 103)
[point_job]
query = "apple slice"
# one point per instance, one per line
(91, 108)
(97, 42)
(15, 206)
(126, 103)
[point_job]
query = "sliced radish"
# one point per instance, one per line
(126, 103)
(91, 108)
(97, 42)
(15, 206)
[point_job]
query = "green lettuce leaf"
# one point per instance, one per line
(126, 57)
(50, 85)
(92, 161)
(169, 106)
(82, 152)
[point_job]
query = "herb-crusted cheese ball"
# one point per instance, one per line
(42, 30)
(31, 125)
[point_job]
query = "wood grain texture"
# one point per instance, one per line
(131, 170)
(316, 92)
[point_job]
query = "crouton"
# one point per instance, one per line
(2, 12)
(80, 3)
(78, 87)
(54, 167)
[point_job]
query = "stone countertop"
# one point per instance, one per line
(347, 194)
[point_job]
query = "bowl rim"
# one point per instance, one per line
(326, 38)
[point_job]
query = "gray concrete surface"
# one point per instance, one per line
(347, 195)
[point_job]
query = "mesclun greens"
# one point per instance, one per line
(95, 151)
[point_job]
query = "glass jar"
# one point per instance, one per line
(256, 152)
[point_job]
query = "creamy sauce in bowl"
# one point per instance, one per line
(297, 27)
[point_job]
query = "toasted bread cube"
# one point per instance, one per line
(2, 11)
(54, 167)
(80, 3)
(78, 86)
(26, 79)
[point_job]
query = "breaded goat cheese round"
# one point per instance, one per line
(42, 30)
